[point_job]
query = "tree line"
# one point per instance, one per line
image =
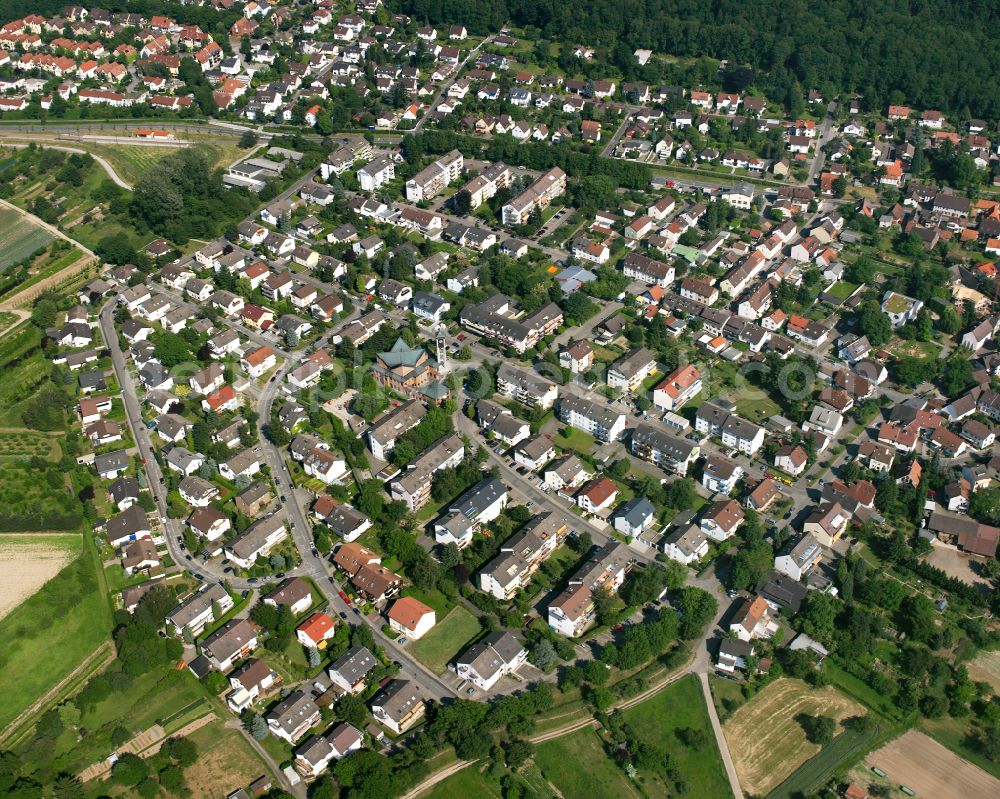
(933, 55)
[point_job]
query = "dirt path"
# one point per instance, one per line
(720, 739)
(21, 723)
(436, 777)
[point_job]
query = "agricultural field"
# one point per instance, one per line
(959, 736)
(446, 639)
(578, 766)
(925, 766)
(25, 444)
(767, 741)
(19, 238)
(986, 667)
(29, 560)
(656, 721)
(51, 632)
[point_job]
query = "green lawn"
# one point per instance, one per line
(678, 706)
(446, 639)
(606, 354)
(577, 440)
(51, 633)
(727, 696)
(579, 767)
(842, 289)
(464, 784)
(757, 409)
(925, 350)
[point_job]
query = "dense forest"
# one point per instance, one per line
(930, 53)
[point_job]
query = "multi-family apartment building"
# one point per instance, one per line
(628, 372)
(198, 610)
(648, 270)
(538, 195)
(414, 485)
(430, 181)
(599, 420)
(494, 318)
(479, 505)
(522, 555)
(256, 541)
(677, 388)
(669, 452)
(528, 388)
(487, 183)
(734, 431)
(382, 435)
(573, 610)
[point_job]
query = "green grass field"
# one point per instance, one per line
(464, 784)
(19, 238)
(859, 690)
(51, 633)
(678, 706)
(577, 440)
(757, 409)
(842, 289)
(579, 767)
(446, 639)
(925, 350)
(726, 695)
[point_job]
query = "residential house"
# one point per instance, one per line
(232, 642)
(293, 717)
(398, 706)
(494, 657)
(411, 617)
